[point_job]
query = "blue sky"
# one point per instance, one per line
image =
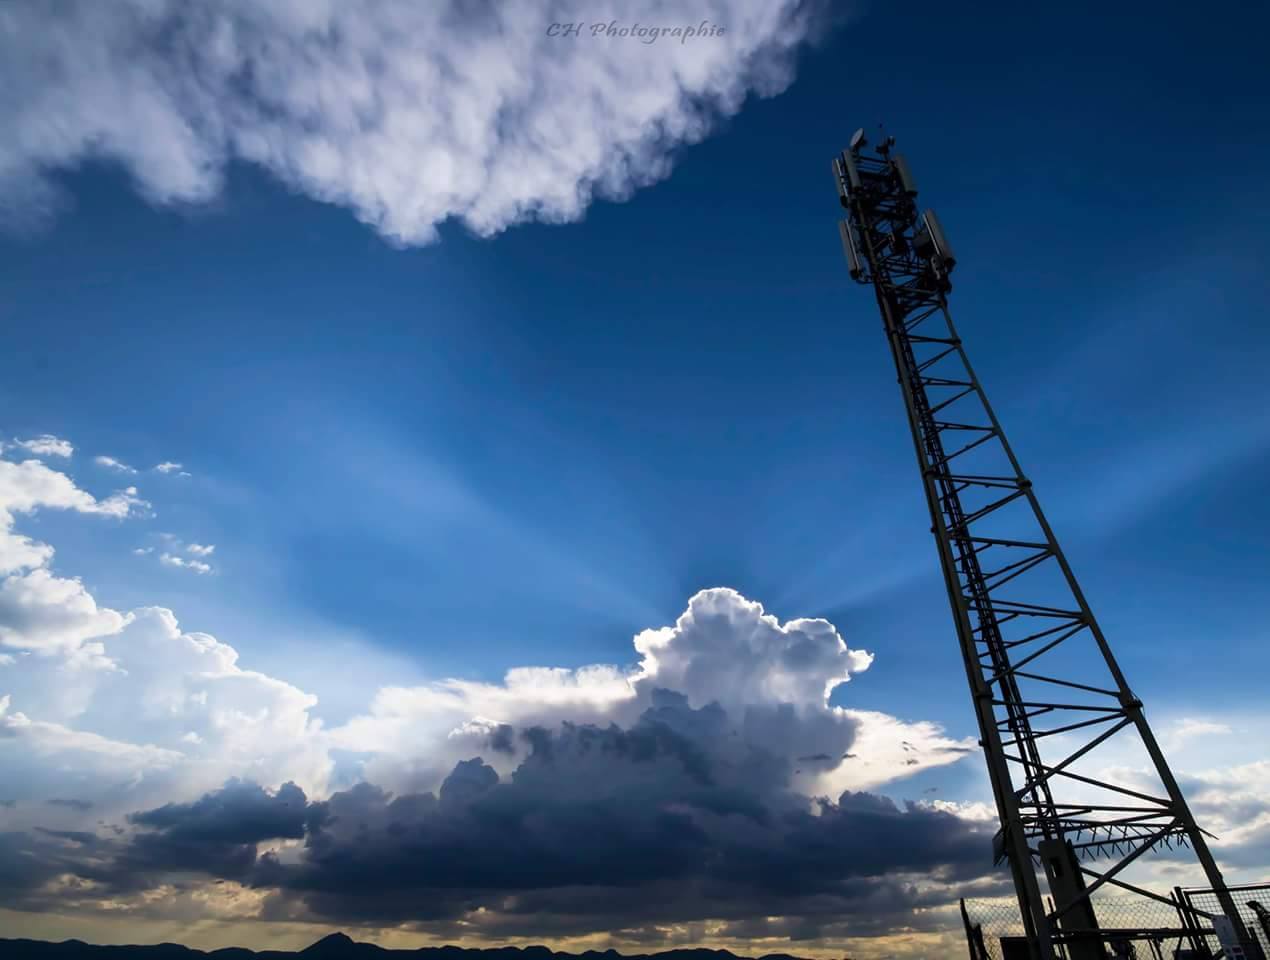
(683, 390)
(452, 459)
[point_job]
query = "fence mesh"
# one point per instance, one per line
(999, 918)
(996, 918)
(1257, 921)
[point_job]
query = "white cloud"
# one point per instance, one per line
(1220, 763)
(176, 704)
(180, 683)
(179, 692)
(888, 748)
(41, 612)
(172, 560)
(55, 740)
(171, 557)
(181, 716)
(124, 503)
(99, 683)
(975, 810)
(1234, 803)
(168, 467)
(1188, 728)
(407, 113)
(31, 485)
(110, 463)
(773, 679)
(127, 710)
(18, 552)
(46, 445)
(49, 614)
(727, 649)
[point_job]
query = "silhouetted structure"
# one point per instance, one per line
(1262, 915)
(1039, 667)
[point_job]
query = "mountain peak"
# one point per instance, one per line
(333, 944)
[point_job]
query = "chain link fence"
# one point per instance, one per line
(1130, 916)
(992, 920)
(1251, 900)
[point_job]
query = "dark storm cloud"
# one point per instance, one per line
(680, 816)
(31, 860)
(21, 865)
(81, 837)
(238, 813)
(466, 782)
(860, 835)
(217, 834)
(502, 739)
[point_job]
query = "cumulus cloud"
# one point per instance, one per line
(217, 834)
(407, 113)
(45, 445)
(664, 832)
(797, 663)
(31, 485)
(692, 801)
(172, 560)
(889, 747)
(175, 704)
(45, 613)
(170, 554)
(597, 829)
(1227, 785)
(41, 612)
(55, 617)
(1223, 776)
(708, 778)
(110, 463)
(19, 552)
(1189, 728)
(773, 679)
(87, 751)
(169, 467)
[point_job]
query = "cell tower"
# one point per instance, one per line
(1047, 690)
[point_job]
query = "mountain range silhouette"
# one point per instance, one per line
(336, 946)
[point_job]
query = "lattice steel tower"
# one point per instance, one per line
(1047, 690)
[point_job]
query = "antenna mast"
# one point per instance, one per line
(1047, 690)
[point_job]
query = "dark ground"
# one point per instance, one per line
(337, 946)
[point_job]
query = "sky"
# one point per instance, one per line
(419, 417)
